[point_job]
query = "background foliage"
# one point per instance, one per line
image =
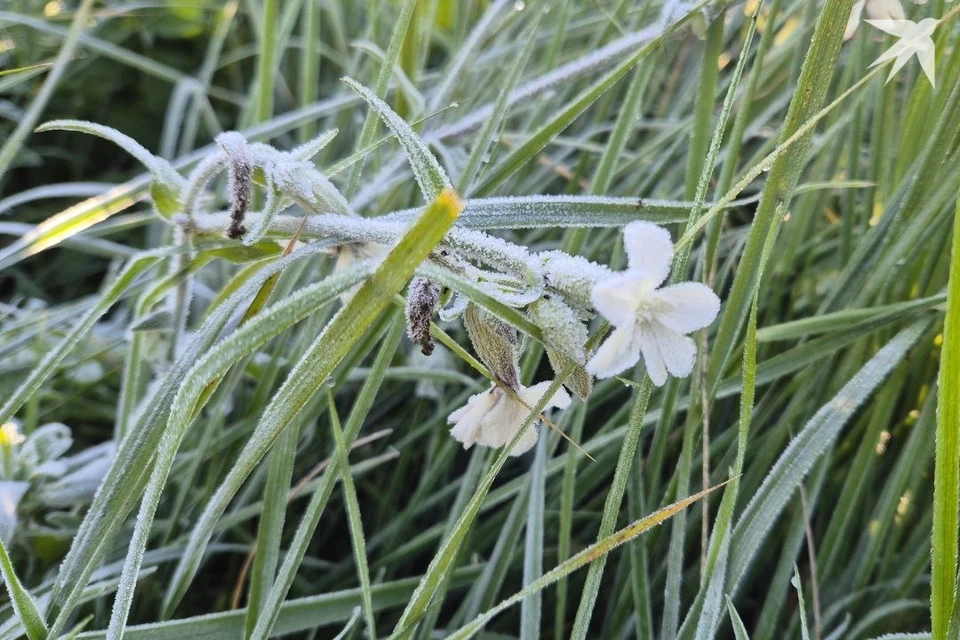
(817, 200)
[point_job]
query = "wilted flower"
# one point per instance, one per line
(649, 320)
(492, 418)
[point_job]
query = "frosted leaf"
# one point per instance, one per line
(455, 309)
(430, 175)
(81, 482)
(573, 276)
(495, 252)
(46, 443)
(561, 327)
(310, 148)
(10, 495)
(561, 211)
(205, 171)
(166, 190)
(495, 343)
(300, 181)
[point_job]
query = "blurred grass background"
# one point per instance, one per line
(861, 260)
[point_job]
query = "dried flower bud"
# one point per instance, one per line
(423, 298)
(495, 342)
(240, 183)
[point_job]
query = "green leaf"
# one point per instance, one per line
(946, 475)
(805, 449)
(337, 339)
(23, 603)
(167, 183)
(430, 175)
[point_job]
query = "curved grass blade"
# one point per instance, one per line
(598, 549)
(806, 448)
(23, 603)
(946, 475)
(430, 175)
(346, 328)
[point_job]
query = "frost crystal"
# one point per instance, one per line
(573, 276)
(240, 176)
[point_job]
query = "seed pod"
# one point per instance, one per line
(240, 183)
(565, 336)
(495, 342)
(423, 298)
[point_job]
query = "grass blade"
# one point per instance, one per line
(946, 484)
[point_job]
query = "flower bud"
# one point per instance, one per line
(423, 298)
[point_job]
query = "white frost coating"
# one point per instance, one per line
(300, 181)
(337, 228)
(547, 211)
(492, 418)
(429, 174)
(197, 181)
(649, 319)
(495, 252)
(310, 148)
(455, 309)
(600, 59)
(561, 327)
(573, 276)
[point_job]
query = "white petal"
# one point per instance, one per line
(689, 306)
(885, 10)
(500, 424)
(618, 353)
(854, 20)
(526, 442)
(532, 395)
(926, 56)
(649, 250)
(467, 420)
(652, 359)
(677, 351)
(617, 297)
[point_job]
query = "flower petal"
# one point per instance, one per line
(689, 306)
(617, 297)
(467, 420)
(526, 442)
(677, 351)
(649, 250)
(854, 21)
(618, 352)
(532, 395)
(652, 358)
(885, 10)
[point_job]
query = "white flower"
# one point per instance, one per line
(914, 40)
(876, 10)
(649, 320)
(492, 418)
